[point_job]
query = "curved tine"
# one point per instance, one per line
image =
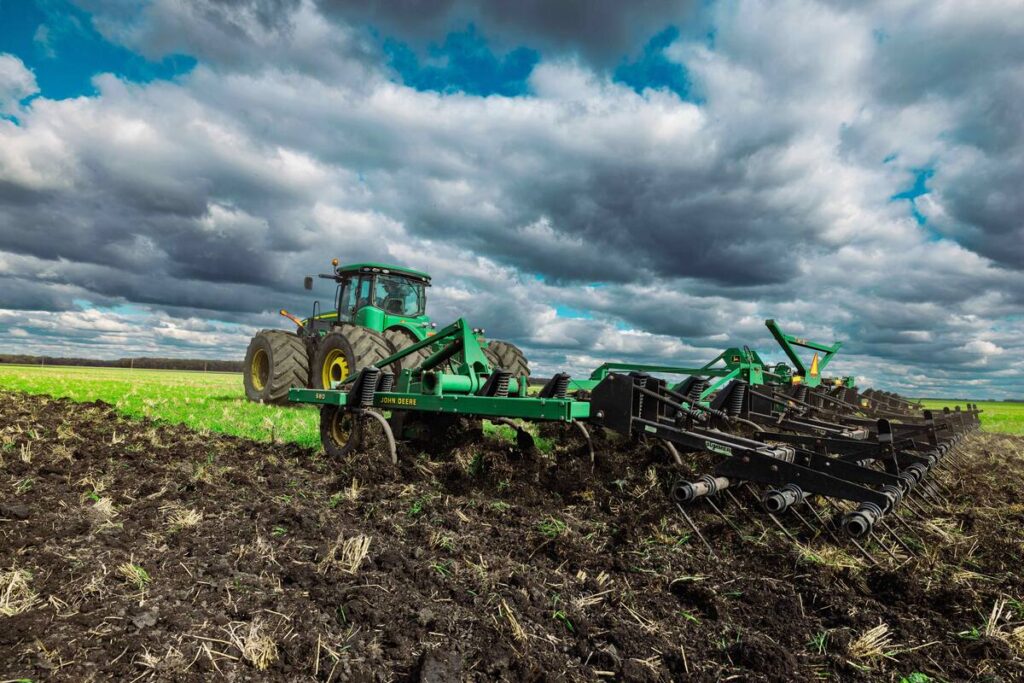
(673, 451)
(392, 448)
(586, 436)
(524, 439)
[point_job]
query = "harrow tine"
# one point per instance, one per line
(862, 549)
(938, 484)
(725, 518)
(917, 506)
(735, 500)
(906, 525)
(864, 552)
(910, 505)
(887, 549)
(781, 526)
(827, 527)
(925, 498)
(693, 526)
(897, 538)
(807, 524)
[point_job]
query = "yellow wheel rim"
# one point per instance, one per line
(335, 368)
(260, 369)
(341, 427)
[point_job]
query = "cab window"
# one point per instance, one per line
(397, 295)
(354, 294)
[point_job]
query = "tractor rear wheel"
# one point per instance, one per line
(274, 362)
(502, 354)
(400, 338)
(346, 350)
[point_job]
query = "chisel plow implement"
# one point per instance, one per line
(813, 452)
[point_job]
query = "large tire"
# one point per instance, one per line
(399, 338)
(344, 351)
(502, 354)
(274, 362)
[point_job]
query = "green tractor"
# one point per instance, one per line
(379, 310)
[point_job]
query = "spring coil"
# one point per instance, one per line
(801, 393)
(502, 382)
(704, 412)
(641, 382)
(368, 386)
(561, 385)
(387, 382)
(696, 389)
(737, 398)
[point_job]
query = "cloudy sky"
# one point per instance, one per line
(592, 180)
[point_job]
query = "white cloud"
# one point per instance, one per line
(208, 197)
(16, 83)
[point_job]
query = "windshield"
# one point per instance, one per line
(398, 295)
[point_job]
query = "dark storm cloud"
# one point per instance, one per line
(209, 197)
(602, 31)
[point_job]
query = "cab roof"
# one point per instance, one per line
(355, 268)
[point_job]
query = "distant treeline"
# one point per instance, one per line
(141, 363)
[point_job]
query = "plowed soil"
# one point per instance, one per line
(132, 550)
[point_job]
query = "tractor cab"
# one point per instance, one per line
(378, 297)
(382, 297)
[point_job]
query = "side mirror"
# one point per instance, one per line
(308, 282)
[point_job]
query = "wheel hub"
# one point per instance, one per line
(260, 369)
(335, 368)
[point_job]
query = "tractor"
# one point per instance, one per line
(379, 310)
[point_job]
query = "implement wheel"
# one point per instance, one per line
(507, 356)
(274, 362)
(341, 432)
(346, 350)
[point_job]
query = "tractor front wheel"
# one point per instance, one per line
(346, 350)
(274, 362)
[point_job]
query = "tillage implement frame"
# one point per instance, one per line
(793, 432)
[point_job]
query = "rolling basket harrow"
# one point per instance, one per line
(835, 459)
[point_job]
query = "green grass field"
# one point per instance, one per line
(996, 416)
(201, 400)
(216, 401)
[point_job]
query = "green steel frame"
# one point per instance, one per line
(811, 376)
(454, 388)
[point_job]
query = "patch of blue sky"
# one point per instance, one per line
(570, 312)
(919, 188)
(58, 42)
(652, 69)
(464, 62)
